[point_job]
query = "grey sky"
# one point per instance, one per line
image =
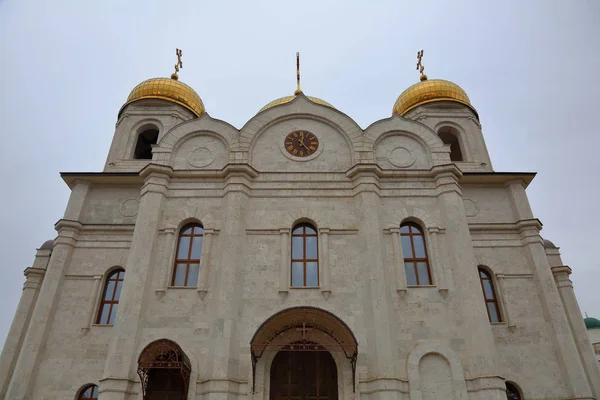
(529, 67)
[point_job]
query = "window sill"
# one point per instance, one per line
(498, 323)
(103, 325)
(421, 286)
(305, 287)
(182, 287)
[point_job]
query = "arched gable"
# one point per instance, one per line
(226, 132)
(301, 108)
(396, 124)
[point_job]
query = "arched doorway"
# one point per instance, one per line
(164, 371)
(303, 375)
(304, 344)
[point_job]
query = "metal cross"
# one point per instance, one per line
(420, 66)
(304, 329)
(298, 91)
(179, 63)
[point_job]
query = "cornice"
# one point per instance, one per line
(498, 178)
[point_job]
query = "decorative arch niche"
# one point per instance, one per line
(304, 329)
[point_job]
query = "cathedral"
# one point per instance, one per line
(300, 257)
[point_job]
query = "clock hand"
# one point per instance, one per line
(304, 145)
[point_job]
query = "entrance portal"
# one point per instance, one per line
(164, 371)
(297, 375)
(303, 368)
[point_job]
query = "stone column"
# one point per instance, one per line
(94, 299)
(479, 358)
(554, 312)
(34, 277)
(68, 229)
(204, 274)
(120, 368)
(168, 261)
(324, 268)
(376, 295)
(284, 264)
(224, 355)
(439, 273)
(582, 340)
(502, 299)
(399, 262)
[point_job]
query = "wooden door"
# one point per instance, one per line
(165, 384)
(303, 375)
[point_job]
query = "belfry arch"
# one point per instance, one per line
(164, 371)
(304, 329)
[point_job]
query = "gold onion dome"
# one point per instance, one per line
(429, 91)
(287, 99)
(168, 89)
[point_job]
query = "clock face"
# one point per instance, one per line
(301, 143)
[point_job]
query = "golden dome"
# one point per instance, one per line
(287, 99)
(168, 89)
(428, 91)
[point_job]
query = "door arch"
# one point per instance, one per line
(164, 371)
(304, 329)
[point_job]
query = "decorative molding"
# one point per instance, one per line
(471, 209)
(401, 157)
(201, 157)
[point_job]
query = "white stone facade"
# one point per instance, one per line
(429, 342)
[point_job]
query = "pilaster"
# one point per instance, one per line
(376, 296)
(12, 346)
(224, 355)
(480, 348)
(120, 368)
(26, 367)
(582, 340)
(68, 229)
(554, 311)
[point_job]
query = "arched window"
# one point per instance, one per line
(187, 260)
(489, 294)
(143, 147)
(449, 136)
(414, 250)
(305, 256)
(89, 392)
(513, 392)
(110, 297)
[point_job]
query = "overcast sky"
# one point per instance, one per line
(531, 68)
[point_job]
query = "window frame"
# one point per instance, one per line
(114, 303)
(85, 388)
(304, 260)
(490, 277)
(414, 260)
(187, 261)
(515, 388)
